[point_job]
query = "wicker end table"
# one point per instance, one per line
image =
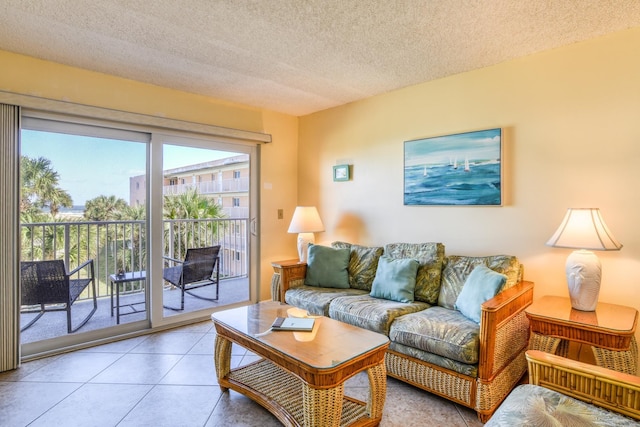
(609, 330)
(301, 376)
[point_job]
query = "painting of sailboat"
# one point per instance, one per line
(444, 181)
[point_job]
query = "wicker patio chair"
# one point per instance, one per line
(48, 285)
(199, 268)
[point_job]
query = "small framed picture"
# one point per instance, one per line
(341, 173)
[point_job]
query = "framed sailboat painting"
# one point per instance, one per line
(463, 169)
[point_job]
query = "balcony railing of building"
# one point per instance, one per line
(209, 187)
(122, 245)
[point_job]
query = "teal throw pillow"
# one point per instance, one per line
(327, 267)
(395, 279)
(482, 284)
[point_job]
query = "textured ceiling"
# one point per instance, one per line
(299, 56)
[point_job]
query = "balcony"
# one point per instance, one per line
(115, 245)
(236, 185)
(54, 324)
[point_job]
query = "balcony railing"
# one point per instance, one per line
(122, 245)
(209, 187)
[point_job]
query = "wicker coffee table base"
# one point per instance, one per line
(293, 401)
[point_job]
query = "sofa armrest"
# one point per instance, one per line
(291, 273)
(612, 390)
(504, 329)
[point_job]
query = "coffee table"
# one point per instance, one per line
(300, 378)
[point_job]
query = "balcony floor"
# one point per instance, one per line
(54, 324)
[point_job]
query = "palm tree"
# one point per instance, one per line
(104, 208)
(135, 213)
(40, 186)
(191, 205)
(184, 234)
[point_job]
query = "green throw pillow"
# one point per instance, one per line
(327, 267)
(395, 279)
(482, 284)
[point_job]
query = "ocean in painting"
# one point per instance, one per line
(447, 185)
(460, 169)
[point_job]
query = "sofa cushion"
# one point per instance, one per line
(395, 279)
(327, 267)
(363, 262)
(457, 268)
(430, 256)
(374, 314)
(440, 331)
(316, 300)
(529, 405)
(482, 284)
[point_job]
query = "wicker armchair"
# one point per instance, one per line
(199, 268)
(554, 383)
(48, 285)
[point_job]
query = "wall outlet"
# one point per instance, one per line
(280, 214)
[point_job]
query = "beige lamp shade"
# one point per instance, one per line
(585, 230)
(305, 222)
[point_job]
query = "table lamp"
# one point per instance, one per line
(585, 230)
(305, 222)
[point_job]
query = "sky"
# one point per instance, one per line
(476, 146)
(89, 167)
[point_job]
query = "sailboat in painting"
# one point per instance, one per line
(424, 173)
(466, 165)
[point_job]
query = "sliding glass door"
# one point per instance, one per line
(127, 213)
(206, 197)
(78, 229)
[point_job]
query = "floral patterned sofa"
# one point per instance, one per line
(444, 339)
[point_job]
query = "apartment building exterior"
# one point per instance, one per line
(224, 180)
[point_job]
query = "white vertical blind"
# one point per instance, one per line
(9, 290)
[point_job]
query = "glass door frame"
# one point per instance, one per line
(158, 136)
(158, 141)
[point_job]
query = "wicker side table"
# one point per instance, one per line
(609, 330)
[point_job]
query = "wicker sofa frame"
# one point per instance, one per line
(504, 337)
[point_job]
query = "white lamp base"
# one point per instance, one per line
(304, 239)
(584, 272)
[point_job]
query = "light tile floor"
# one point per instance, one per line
(168, 379)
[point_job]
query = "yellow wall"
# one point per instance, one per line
(572, 122)
(30, 76)
(572, 140)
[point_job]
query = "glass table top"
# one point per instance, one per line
(329, 344)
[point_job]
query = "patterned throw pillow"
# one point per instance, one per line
(457, 268)
(363, 262)
(430, 256)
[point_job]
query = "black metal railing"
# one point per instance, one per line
(122, 245)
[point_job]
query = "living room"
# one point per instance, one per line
(571, 134)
